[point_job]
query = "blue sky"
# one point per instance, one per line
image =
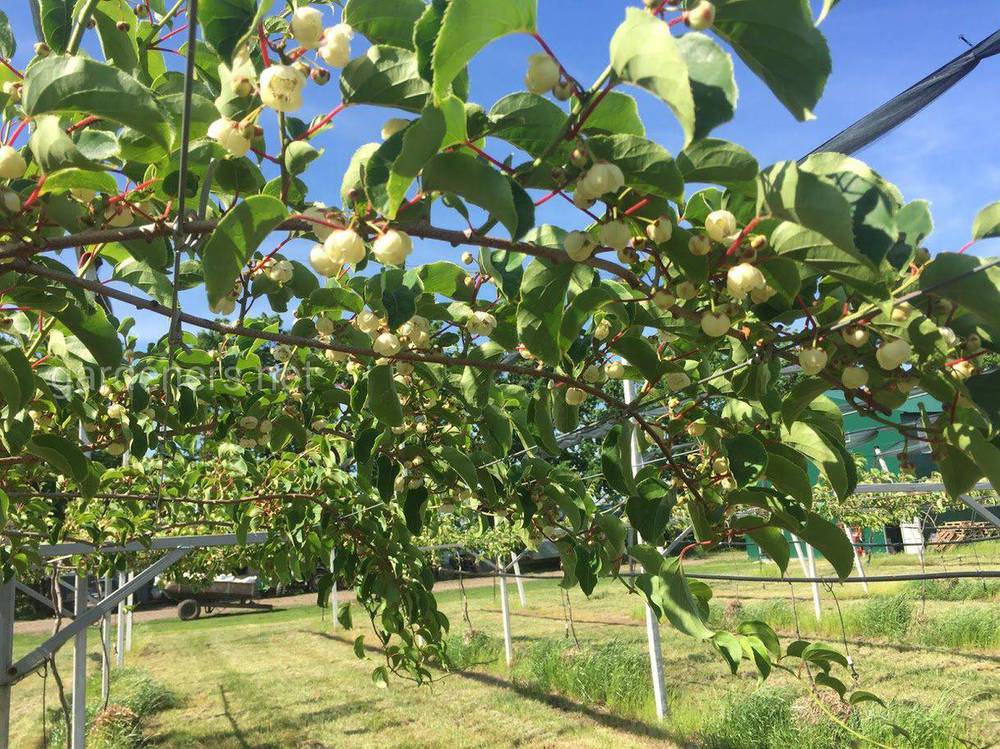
(948, 154)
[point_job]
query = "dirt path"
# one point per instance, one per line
(44, 626)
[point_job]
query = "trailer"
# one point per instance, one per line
(224, 592)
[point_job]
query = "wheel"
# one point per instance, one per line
(188, 609)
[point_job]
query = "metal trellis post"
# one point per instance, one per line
(516, 565)
(79, 722)
(333, 591)
(652, 623)
(106, 644)
(129, 602)
(6, 655)
(857, 559)
(508, 645)
(120, 627)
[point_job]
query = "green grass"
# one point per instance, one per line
(953, 590)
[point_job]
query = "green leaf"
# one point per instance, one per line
(712, 83)
(421, 141)
(649, 511)
(384, 23)
(770, 540)
(359, 646)
(413, 508)
(385, 77)
(859, 695)
(8, 45)
(382, 397)
(56, 19)
(91, 326)
(804, 392)
(18, 388)
(298, 156)
(540, 413)
(675, 599)
(730, 649)
(54, 150)
(640, 353)
(747, 458)
(119, 47)
(960, 279)
(70, 178)
(616, 459)
(616, 114)
(766, 36)
(717, 161)
(648, 167)
(987, 223)
(476, 182)
(528, 121)
(62, 454)
(794, 195)
(62, 85)
(819, 254)
(233, 241)
(648, 556)
(467, 27)
(831, 541)
(225, 23)
(815, 445)
(140, 275)
(462, 465)
(645, 53)
(541, 307)
(972, 442)
(788, 477)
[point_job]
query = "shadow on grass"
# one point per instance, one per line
(559, 702)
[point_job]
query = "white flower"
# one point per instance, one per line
(335, 48)
(715, 324)
(321, 261)
(677, 380)
(575, 396)
(367, 322)
(393, 247)
(282, 352)
(393, 126)
(230, 136)
(324, 326)
(116, 411)
(902, 312)
(950, 339)
(116, 448)
(307, 26)
(893, 353)
(854, 377)
(579, 245)
(699, 244)
(582, 199)
(701, 16)
(11, 203)
(856, 337)
(695, 428)
(686, 290)
(615, 234)
(12, 163)
(812, 360)
(592, 374)
(744, 278)
(602, 330)
(602, 178)
(543, 73)
(661, 230)
(720, 466)
(335, 356)
(280, 272)
(467, 258)
(248, 422)
(963, 370)
(224, 306)
(615, 370)
(481, 323)
(345, 246)
(663, 299)
(386, 344)
(318, 212)
(281, 88)
(719, 225)
(761, 295)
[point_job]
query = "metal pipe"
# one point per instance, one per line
(78, 733)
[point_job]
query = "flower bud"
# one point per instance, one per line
(575, 396)
(615, 370)
(12, 163)
(812, 360)
(319, 76)
(695, 428)
(325, 326)
(563, 91)
(615, 234)
(719, 225)
(602, 178)
(224, 306)
(579, 245)
(663, 299)
(701, 16)
(699, 244)
(744, 278)
(720, 466)
(392, 248)
(386, 344)
(602, 330)
(392, 126)
(686, 290)
(543, 73)
(762, 295)
(855, 336)
(660, 230)
(321, 262)
(854, 378)
(248, 422)
(230, 136)
(307, 26)
(481, 323)
(42, 49)
(345, 246)
(892, 354)
(963, 370)
(715, 324)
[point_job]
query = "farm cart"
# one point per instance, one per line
(225, 592)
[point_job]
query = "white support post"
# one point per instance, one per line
(120, 627)
(6, 655)
(807, 562)
(333, 591)
(130, 602)
(857, 559)
(79, 723)
(652, 623)
(106, 644)
(508, 645)
(520, 583)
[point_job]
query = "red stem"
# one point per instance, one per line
(562, 68)
(88, 120)
(122, 196)
(263, 45)
(34, 193)
(976, 355)
(269, 157)
(39, 362)
(589, 110)
(966, 246)
(172, 34)
(494, 162)
(802, 304)
(637, 207)
(743, 235)
(547, 198)
(324, 121)
(271, 254)
(11, 68)
(17, 131)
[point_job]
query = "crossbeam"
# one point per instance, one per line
(37, 657)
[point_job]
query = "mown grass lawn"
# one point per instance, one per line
(286, 678)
